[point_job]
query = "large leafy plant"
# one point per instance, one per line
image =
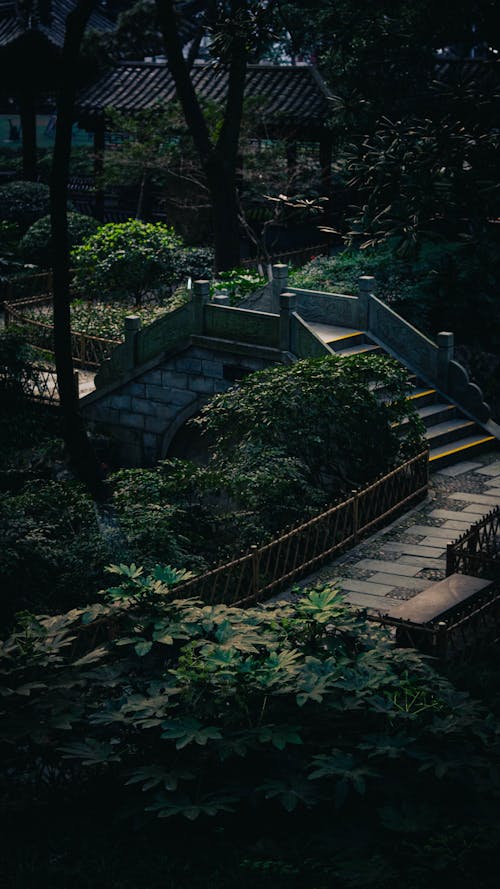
(204, 709)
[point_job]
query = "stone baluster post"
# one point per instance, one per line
(132, 327)
(288, 304)
(446, 346)
(279, 284)
(201, 296)
(367, 286)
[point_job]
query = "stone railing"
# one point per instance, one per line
(433, 361)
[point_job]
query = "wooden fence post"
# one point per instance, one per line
(355, 516)
(442, 640)
(255, 568)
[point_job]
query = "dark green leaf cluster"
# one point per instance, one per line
(211, 709)
(135, 259)
(34, 246)
(22, 203)
(52, 555)
(339, 418)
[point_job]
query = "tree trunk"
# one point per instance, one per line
(219, 159)
(27, 108)
(79, 448)
(223, 184)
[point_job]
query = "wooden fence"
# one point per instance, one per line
(25, 287)
(35, 382)
(265, 570)
(477, 551)
(87, 350)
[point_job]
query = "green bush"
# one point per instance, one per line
(22, 203)
(35, 245)
(52, 554)
(237, 283)
(126, 259)
(322, 412)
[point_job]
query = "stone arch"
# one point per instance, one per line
(178, 422)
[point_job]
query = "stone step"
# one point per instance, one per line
(450, 431)
(432, 414)
(422, 396)
(444, 454)
(360, 349)
(441, 598)
(333, 334)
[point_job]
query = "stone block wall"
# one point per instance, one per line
(144, 413)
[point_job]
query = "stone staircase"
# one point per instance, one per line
(451, 434)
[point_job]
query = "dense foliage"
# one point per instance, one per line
(22, 203)
(135, 259)
(265, 469)
(186, 710)
(338, 418)
(445, 286)
(49, 532)
(34, 247)
(128, 258)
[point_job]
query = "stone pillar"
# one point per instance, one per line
(445, 341)
(132, 326)
(366, 287)
(288, 304)
(279, 284)
(220, 299)
(201, 295)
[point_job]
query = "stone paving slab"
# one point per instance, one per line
(389, 567)
(458, 469)
(438, 541)
(421, 562)
(429, 531)
(385, 569)
(475, 510)
(366, 586)
(374, 603)
(414, 549)
(455, 515)
(477, 499)
(453, 525)
(493, 469)
(408, 583)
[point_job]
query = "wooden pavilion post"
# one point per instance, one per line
(99, 140)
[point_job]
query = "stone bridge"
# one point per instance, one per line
(162, 374)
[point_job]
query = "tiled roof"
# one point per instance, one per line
(13, 23)
(292, 93)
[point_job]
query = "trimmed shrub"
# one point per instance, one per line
(123, 259)
(22, 203)
(35, 245)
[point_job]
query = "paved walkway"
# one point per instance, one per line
(409, 555)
